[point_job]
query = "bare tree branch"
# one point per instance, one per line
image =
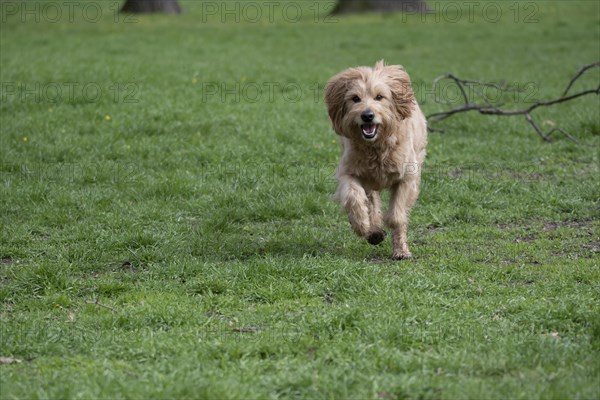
(579, 73)
(490, 109)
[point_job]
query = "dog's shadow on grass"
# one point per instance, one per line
(229, 246)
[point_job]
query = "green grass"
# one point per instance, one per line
(201, 221)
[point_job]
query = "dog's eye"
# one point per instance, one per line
(379, 97)
(356, 99)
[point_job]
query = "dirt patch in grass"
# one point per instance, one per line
(6, 261)
(577, 224)
(127, 266)
(593, 246)
(526, 239)
(583, 242)
(549, 226)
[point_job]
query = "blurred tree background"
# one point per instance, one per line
(151, 6)
(342, 7)
(358, 6)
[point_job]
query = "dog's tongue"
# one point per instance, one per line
(369, 129)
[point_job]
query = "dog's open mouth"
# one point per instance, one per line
(369, 131)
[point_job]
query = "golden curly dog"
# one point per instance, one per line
(384, 134)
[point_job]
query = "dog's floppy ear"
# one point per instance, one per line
(399, 82)
(335, 96)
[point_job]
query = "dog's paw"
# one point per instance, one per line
(376, 237)
(405, 255)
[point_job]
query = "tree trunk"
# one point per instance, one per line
(151, 6)
(359, 6)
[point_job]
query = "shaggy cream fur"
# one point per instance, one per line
(384, 134)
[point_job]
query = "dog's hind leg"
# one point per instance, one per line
(403, 197)
(353, 198)
(376, 233)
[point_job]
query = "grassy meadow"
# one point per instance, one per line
(167, 228)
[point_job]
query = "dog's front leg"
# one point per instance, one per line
(403, 197)
(376, 233)
(353, 198)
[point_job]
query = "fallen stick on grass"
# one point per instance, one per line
(95, 302)
(490, 109)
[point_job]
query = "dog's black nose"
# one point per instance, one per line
(367, 116)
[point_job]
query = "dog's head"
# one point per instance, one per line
(366, 103)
